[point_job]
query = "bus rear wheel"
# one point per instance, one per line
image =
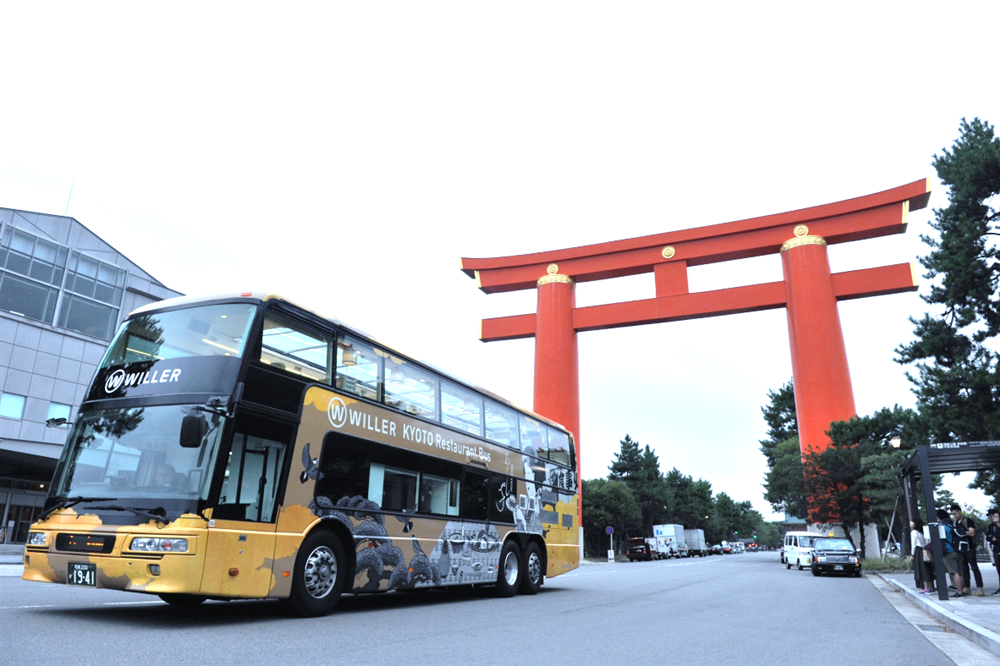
(533, 577)
(318, 579)
(509, 574)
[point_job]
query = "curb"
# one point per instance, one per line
(981, 636)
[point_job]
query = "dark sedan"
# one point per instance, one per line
(832, 555)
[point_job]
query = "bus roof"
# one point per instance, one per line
(265, 296)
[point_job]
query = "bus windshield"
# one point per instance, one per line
(211, 330)
(136, 453)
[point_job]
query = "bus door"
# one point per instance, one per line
(241, 533)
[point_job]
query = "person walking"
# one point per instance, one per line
(951, 558)
(993, 539)
(920, 557)
(965, 530)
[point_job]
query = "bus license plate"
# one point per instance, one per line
(82, 573)
(838, 567)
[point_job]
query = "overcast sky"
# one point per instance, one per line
(346, 155)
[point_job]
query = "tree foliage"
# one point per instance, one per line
(784, 483)
(640, 471)
(608, 503)
(957, 380)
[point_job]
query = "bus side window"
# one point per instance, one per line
(343, 463)
(558, 446)
(288, 347)
(476, 495)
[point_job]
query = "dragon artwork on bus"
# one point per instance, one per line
(244, 447)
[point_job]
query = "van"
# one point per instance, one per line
(797, 549)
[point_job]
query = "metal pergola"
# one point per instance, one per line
(943, 459)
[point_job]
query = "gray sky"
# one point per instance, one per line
(345, 155)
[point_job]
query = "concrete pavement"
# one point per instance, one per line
(976, 618)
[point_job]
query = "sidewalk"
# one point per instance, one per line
(976, 618)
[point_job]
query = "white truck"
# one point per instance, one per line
(695, 539)
(670, 540)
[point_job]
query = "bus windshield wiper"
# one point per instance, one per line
(67, 502)
(160, 517)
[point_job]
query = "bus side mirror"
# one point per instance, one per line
(193, 430)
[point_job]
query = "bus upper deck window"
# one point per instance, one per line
(287, 347)
(461, 408)
(410, 388)
(501, 425)
(359, 367)
(533, 437)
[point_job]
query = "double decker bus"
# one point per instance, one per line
(243, 447)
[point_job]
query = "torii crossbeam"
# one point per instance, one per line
(809, 293)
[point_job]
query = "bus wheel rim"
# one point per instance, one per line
(320, 573)
(534, 568)
(510, 569)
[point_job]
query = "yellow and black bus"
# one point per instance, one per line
(244, 447)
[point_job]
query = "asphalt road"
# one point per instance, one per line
(736, 609)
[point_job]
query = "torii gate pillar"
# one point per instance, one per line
(557, 374)
(823, 392)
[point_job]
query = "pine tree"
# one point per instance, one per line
(958, 370)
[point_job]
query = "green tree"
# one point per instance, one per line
(609, 503)
(782, 424)
(640, 471)
(784, 483)
(958, 374)
(692, 500)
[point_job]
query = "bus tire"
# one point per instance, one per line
(533, 577)
(319, 575)
(509, 573)
(182, 600)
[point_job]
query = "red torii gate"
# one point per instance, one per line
(809, 293)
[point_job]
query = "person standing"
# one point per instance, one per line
(965, 531)
(948, 542)
(920, 557)
(993, 539)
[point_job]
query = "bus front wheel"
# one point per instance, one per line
(509, 575)
(318, 579)
(533, 576)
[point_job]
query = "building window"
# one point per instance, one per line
(31, 270)
(93, 296)
(11, 405)
(57, 410)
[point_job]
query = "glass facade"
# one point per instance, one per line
(39, 278)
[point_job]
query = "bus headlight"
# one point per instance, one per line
(37, 538)
(158, 545)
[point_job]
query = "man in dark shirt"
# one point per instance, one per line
(965, 537)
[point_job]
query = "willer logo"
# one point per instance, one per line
(114, 381)
(336, 411)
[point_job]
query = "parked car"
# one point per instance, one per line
(639, 549)
(832, 555)
(797, 550)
